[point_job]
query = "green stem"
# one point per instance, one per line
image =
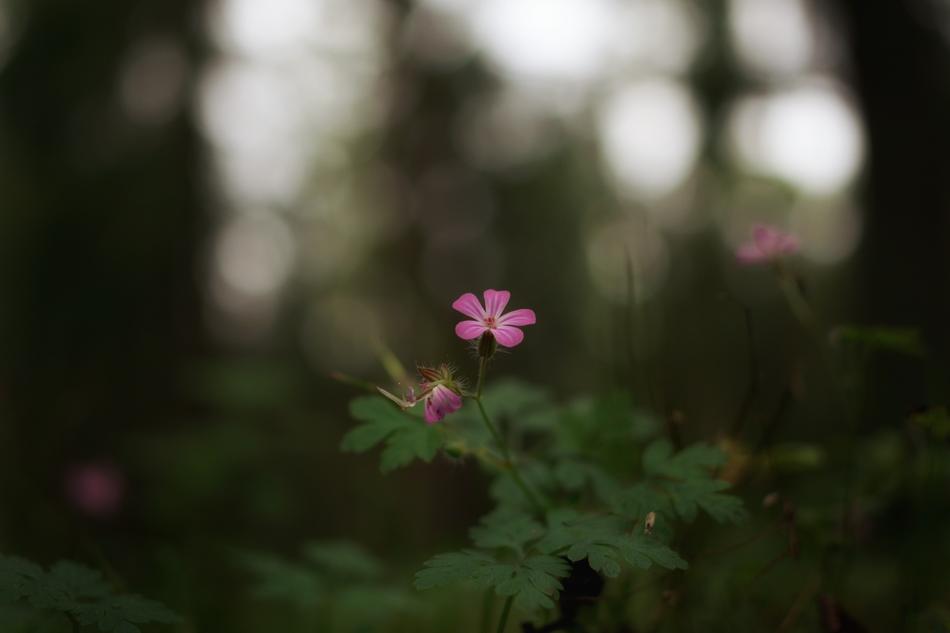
(501, 442)
(487, 605)
(74, 622)
(797, 302)
(482, 367)
(503, 620)
(506, 454)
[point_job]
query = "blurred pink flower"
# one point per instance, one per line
(767, 244)
(440, 402)
(95, 489)
(490, 318)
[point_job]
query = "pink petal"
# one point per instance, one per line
(495, 302)
(508, 336)
(787, 244)
(749, 253)
(524, 316)
(468, 330)
(766, 238)
(468, 305)
(432, 414)
(441, 402)
(453, 401)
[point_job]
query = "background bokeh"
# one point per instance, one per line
(208, 207)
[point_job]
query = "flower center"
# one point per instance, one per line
(490, 322)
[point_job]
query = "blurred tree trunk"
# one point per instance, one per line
(901, 72)
(98, 237)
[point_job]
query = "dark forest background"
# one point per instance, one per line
(169, 312)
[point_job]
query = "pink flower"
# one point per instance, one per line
(441, 393)
(440, 402)
(95, 489)
(490, 318)
(767, 244)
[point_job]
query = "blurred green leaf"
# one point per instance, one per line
(343, 559)
(574, 475)
(79, 592)
(692, 462)
(242, 383)
(506, 529)
(893, 339)
(279, 579)
(407, 438)
(795, 457)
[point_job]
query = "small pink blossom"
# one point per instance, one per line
(95, 489)
(440, 391)
(767, 244)
(440, 402)
(504, 327)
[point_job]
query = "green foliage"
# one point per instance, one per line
(407, 438)
(78, 593)
(685, 477)
(332, 576)
(605, 541)
(506, 529)
(575, 475)
(589, 425)
(533, 581)
(343, 559)
(580, 458)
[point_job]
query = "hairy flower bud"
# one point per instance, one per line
(487, 345)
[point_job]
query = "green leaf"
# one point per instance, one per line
(81, 592)
(18, 578)
(522, 405)
(507, 493)
(343, 558)
(685, 478)
(337, 573)
(706, 494)
(407, 438)
(574, 475)
(506, 529)
(534, 581)
(694, 461)
(121, 614)
(282, 580)
(445, 569)
(636, 501)
(605, 541)
(78, 580)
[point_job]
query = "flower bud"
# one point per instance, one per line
(487, 345)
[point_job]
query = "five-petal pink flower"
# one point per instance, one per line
(767, 244)
(504, 327)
